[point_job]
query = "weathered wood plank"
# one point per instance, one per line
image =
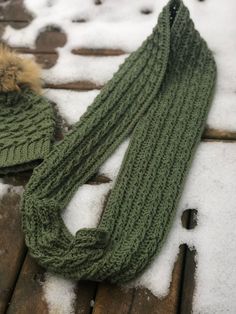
(97, 52)
(60, 40)
(216, 134)
(46, 61)
(49, 40)
(46, 42)
(79, 85)
(188, 287)
(112, 299)
(145, 302)
(15, 11)
(12, 248)
(28, 293)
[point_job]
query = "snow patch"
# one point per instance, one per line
(85, 207)
(72, 105)
(59, 294)
(3, 188)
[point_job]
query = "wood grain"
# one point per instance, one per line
(12, 248)
(79, 86)
(97, 52)
(28, 293)
(14, 11)
(46, 42)
(112, 299)
(217, 134)
(186, 302)
(145, 302)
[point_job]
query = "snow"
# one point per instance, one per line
(70, 67)
(60, 294)
(7, 188)
(85, 208)
(120, 24)
(210, 186)
(71, 104)
(3, 188)
(125, 21)
(112, 165)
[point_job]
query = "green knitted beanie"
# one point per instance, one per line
(160, 97)
(26, 118)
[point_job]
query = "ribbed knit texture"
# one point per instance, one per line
(160, 96)
(26, 130)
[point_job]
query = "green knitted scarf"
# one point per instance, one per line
(160, 97)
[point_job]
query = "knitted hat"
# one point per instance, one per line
(160, 96)
(26, 118)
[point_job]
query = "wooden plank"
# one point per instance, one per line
(47, 61)
(98, 52)
(145, 302)
(188, 282)
(12, 248)
(79, 85)
(28, 293)
(15, 11)
(49, 40)
(46, 42)
(211, 133)
(29, 297)
(111, 299)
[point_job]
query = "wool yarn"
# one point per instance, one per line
(160, 97)
(26, 118)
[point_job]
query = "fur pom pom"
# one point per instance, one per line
(17, 72)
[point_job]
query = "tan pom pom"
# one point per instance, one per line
(17, 72)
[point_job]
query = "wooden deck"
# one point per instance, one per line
(21, 278)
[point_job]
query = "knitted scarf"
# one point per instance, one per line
(160, 97)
